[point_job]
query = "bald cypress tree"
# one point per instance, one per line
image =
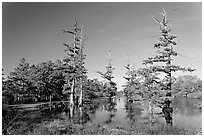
(162, 61)
(108, 75)
(74, 69)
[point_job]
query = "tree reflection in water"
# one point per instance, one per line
(133, 111)
(89, 111)
(83, 114)
(110, 106)
(167, 111)
(186, 106)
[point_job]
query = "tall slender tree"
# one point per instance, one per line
(162, 61)
(74, 69)
(108, 75)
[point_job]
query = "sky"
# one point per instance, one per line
(33, 31)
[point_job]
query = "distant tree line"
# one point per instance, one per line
(44, 82)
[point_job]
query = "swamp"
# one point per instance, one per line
(159, 93)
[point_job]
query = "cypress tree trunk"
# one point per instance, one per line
(81, 94)
(71, 102)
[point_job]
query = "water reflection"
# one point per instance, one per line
(187, 112)
(167, 111)
(133, 111)
(79, 115)
(106, 111)
(187, 107)
(111, 109)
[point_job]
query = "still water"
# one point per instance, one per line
(115, 111)
(185, 113)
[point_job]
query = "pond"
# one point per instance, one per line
(115, 111)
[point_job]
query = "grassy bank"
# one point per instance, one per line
(62, 127)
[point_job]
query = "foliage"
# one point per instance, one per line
(142, 83)
(187, 84)
(93, 88)
(150, 82)
(132, 88)
(19, 81)
(27, 84)
(49, 80)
